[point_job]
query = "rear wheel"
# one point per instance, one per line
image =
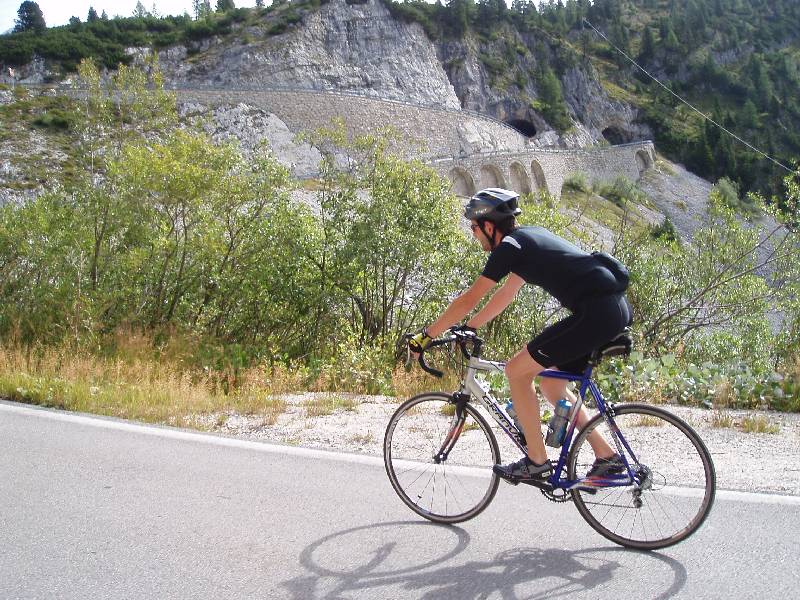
(674, 478)
(440, 462)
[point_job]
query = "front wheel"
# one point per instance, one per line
(674, 479)
(439, 458)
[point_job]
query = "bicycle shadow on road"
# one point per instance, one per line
(407, 557)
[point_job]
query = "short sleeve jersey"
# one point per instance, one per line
(542, 258)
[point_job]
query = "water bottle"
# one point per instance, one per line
(558, 423)
(512, 414)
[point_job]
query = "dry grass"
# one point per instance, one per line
(758, 424)
(143, 386)
(416, 381)
(362, 438)
(648, 421)
(722, 420)
(324, 405)
(724, 395)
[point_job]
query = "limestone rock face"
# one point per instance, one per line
(342, 47)
(252, 127)
(597, 113)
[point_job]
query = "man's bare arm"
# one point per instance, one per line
(461, 306)
(498, 303)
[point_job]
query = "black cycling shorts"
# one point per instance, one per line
(567, 344)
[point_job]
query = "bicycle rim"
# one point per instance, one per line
(674, 465)
(455, 489)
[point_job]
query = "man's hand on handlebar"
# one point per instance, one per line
(421, 341)
(463, 329)
(417, 343)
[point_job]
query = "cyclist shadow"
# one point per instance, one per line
(531, 572)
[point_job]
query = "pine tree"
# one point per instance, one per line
(458, 17)
(551, 96)
(648, 49)
(92, 16)
(140, 11)
(29, 18)
(225, 5)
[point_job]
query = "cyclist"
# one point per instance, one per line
(590, 286)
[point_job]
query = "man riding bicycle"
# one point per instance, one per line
(590, 286)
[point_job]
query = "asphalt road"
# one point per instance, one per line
(101, 508)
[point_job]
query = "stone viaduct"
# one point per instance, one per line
(474, 151)
(540, 169)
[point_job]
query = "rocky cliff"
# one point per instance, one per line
(342, 47)
(362, 48)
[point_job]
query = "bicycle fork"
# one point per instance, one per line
(456, 427)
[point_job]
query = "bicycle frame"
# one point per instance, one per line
(472, 387)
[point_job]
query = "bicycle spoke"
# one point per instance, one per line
(669, 454)
(418, 432)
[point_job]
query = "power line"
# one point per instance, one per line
(702, 114)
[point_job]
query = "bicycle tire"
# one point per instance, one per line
(675, 461)
(466, 483)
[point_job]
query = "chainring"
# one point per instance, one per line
(557, 495)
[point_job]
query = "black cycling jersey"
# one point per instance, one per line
(542, 258)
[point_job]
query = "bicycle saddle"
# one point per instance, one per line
(619, 346)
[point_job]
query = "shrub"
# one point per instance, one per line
(577, 182)
(620, 191)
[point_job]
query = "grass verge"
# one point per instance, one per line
(142, 389)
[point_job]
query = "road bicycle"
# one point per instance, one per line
(439, 450)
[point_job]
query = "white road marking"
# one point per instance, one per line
(272, 448)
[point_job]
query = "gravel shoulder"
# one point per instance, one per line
(752, 462)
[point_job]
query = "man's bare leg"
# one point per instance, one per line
(521, 371)
(555, 389)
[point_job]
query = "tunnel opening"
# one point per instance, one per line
(615, 136)
(526, 128)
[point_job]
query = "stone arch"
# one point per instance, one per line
(524, 126)
(520, 182)
(643, 161)
(491, 176)
(615, 135)
(538, 176)
(461, 182)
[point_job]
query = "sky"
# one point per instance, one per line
(58, 12)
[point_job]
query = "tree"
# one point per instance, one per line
(550, 94)
(648, 45)
(140, 11)
(458, 16)
(201, 8)
(29, 18)
(225, 5)
(92, 16)
(259, 3)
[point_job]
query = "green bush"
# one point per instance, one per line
(55, 119)
(665, 231)
(577, 182)
(620, 191)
